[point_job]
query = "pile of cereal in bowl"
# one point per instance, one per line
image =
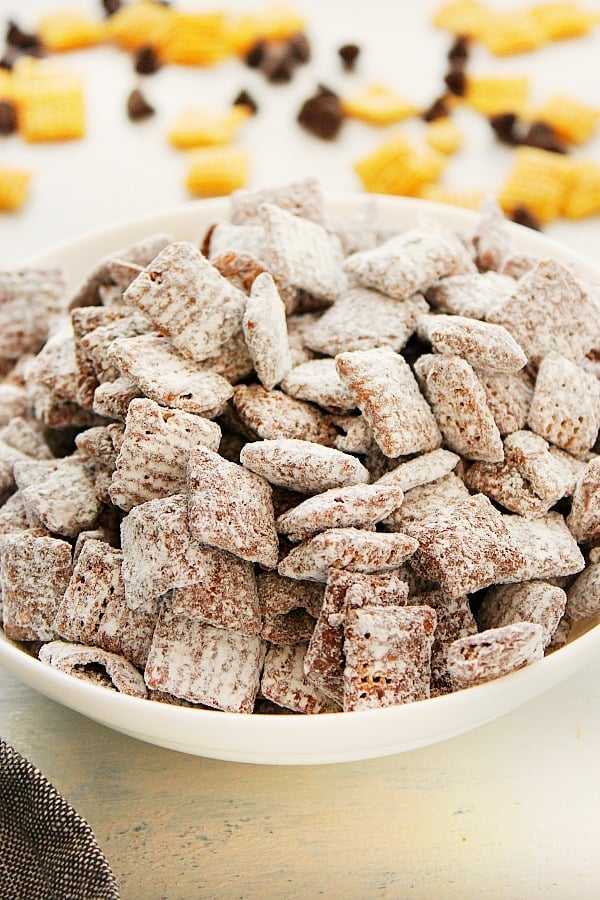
(308, 466)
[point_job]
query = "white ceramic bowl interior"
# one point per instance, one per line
(292, 739)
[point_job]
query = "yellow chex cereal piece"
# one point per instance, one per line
(200, 128)
(69, 31)
(462, 17)
(49, 102)
(511, 32)
(561, 20)
(572, 120)
(397, 168)
(196, 39)
(214, 172)
(14, 187)
(7, 89)
(275, 23)
(583, 196)
(444, 135)
(378, 105)
(539, 180)
(495, 94)
(139, 23)
(439, 194)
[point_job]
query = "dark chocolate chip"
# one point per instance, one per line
(349, 54)
(254, 56)
(456, 81)
(278, 63)
(110, 7)
(205, 248)
(506, 128)
(22, 40)
(322, 115)
(8, 60)
(138, 107)
(147, 61)
(540, 134)
(299, 47)
(325, 91)
(439, 109)
(522, 215)
(245, 99)
(459, 51)
(8, 117)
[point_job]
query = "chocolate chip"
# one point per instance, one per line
(326, 91)
(254, 56)
(522, 215)
(205, 248)
(439, 109)
(459, 51)
(245, 99)
(322, 115)
(540, 134)
(147, 61)
(138, 107)
(111, 6)
(22, 40)
(506, 128)
(299, 47)
(8, 60)
(349, 54)
(8, 117)
(456, 81)
(278, 63)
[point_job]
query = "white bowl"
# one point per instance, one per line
(290, 739)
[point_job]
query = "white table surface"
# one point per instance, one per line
(508, 811)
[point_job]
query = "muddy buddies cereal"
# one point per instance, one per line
(282, 470)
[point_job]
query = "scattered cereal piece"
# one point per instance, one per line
(231, 508)
(50, 102)
(444, 135)
(396, 167)
(388, 655)
(505, 33)
(560, 20)
(583, 196)
(572, 120)
(273, 415)
(388, 396)
(283, 682)
(539, 180)
(216, 171)
(358, 506)
(265, 332)
(69, 31)
(118, 674)
(203, 664)
(465, 547)
(346, 548)
(378, 105)
(495, 94)
(460, 407)
(201, 128)
(136, 24)
(490, 654)
(462, 17)
(303, 465)
(14, 187)
(483, 345)
(534, 601)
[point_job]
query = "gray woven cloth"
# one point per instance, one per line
(47, 851)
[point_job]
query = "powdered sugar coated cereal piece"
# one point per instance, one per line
(302, 254)
(405, 264)
(188, 300)
(73, 659)
(203, 664)
(533, 601)
(465, 547)
(63, 497)
(454, 620)
(460, 407)
(301, 198)
(279, 595)
(318, 382)
(265, 332)
(231, 508)
(112, 398)
(153, 457)
(541, 303)
(31, 298)
(506, 485)
(283, 682)
(303, 465)
(483, 345)
(359, 506)
(565, 405)
(584, 517)
(425, 499)
(362, 318)
(388, 396)
(583, 596)
(548, 548)
(169, 379)
(473, 295)
(346, 548)
(289, 628)
(495, 652)
(388, 656)
(491, 241)
(273, 415)
(549, 475)
(357, 436)
(421, 470)
(227, 238)
(509, 396)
